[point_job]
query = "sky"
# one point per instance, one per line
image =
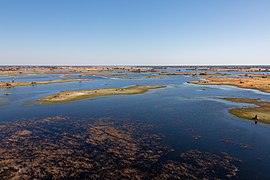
(134, 32)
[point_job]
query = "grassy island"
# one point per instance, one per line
(260, 113)
(28, 83)
(257, 82)
(73, 95)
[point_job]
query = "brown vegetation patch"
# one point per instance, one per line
(55, 118)
(200, 165)
(257, 82)
(105, 148)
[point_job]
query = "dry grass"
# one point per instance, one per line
(258, 82)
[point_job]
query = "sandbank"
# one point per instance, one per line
(73, 95)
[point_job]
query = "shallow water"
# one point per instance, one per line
(189, 116)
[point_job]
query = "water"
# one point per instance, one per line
(189, 116)
(239, 74)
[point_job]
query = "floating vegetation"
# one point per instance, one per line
(55, 118)
(200, 165)
(59, 147)
(230, 141)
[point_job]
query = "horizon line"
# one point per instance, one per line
(134, 65)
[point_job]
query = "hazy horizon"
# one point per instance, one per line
(74, 64)
(135, 32)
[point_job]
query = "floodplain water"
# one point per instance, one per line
(188, 116)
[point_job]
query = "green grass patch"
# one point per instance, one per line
(262, 110)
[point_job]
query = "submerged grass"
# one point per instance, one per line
(3, 101)
(67, 96)
(262, 111)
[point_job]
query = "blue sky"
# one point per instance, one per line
(131, 32)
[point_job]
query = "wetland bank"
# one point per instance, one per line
(130, 123)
